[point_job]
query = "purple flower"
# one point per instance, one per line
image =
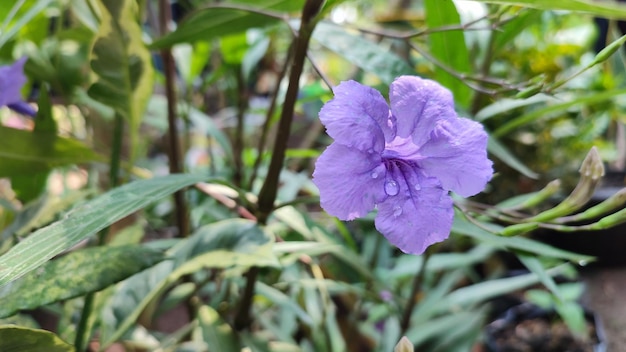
(402, 161)
(11, 81)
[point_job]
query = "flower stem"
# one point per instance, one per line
(415, 290)
(268, 192)
(169, 70)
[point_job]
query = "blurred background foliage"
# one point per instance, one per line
(147, 272)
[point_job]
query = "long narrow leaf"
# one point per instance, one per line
(85, 221)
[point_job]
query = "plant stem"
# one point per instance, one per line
(268, 192)
(169, 70)
(417, 287)
(267, 196)
(238, 145)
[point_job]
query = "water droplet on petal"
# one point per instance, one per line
(397, 211)
(417, 187)
(391, 188)
(374, 174)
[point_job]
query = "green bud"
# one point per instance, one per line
(591, 171)
(529, 92)
(548, 191)
(612, 203)
(518, 229)
(610, 221)
(404, 345)
(610, 49)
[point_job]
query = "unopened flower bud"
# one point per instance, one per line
(591, 171)
(404, 345)
(616, 201)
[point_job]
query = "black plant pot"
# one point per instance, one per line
(527, 327)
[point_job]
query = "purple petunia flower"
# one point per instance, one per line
(11, 81)
(403, 160)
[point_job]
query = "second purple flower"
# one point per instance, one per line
(402, 160)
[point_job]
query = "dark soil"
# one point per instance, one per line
(527, 328)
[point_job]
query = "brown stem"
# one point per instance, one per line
(174, 143)
(238, 145)
(268, 192)
(417, 287)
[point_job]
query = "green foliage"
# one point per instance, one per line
(16, 338)
(122, 64)
(86, 220)
(92, 270)
(448, 47)
(109, 260)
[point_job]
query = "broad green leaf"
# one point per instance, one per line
(213, 22)
(216, 333)
(448, 47)
(41, 212)
(598, 8)
(86, 220)
(463, 227)
(74, 275)
(501, 152)
(23, 153)
(122, 64)
(19, 339)
(362, 52)
(228, 243)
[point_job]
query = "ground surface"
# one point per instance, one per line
(606, 295)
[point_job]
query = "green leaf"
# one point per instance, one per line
(85, 220)
(41, 212)
(26, 12)
(448, 47)
(91, 270)
(597, 8)
(562, 106)
(363, 53)
(218, 335)
(233, 242)
(502, 152)
(486, 290)
(20, 339)
(534, 265)
(123, 65)
(213, 22)
(23, 152)
(463, 227)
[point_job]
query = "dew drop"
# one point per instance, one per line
(391, 188)
(397, 211)
(374, 174)
(417, 187)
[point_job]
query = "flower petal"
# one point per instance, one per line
(416, 218)
(350, 181)
(417, 104)
(456, 154)
(357, 117)
(11, 81)
(23, 108)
